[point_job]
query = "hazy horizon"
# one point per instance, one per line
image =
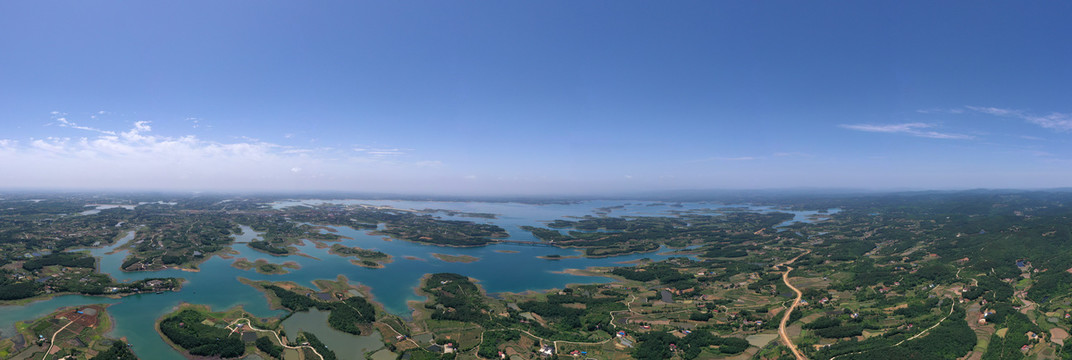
(650, 195)
(533, 98)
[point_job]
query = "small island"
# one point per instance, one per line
(367, 258)
(456, 213)
(264, 267)
(557, 257)
(456, 258)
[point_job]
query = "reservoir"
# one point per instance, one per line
(501, 268)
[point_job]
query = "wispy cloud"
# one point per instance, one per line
(1039, 153)
(792, 154)
(726, 158)
(1053, 121)
(139, 157)
(941, 111)
(63, 122)
(382, 152)
(195, 122)
(8, 147)
(913, 129)
(994, 111)
(744, 158)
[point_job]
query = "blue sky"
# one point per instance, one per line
(534, 97)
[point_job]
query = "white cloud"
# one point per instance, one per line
(142, 126)
(386, 152)
(382, 152)
(1053, 121)
(940, 111)
(298, 151)
(50, 145)
(63, 122)
(914, 129)
(993, 110)
(138, 158)
(7, 147)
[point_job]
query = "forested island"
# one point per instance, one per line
(364, 257)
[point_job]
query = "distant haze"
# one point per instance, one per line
(533, 97)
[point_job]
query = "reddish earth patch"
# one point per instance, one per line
(88, 317)
(1058, 335)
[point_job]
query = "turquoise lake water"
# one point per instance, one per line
(216, 284)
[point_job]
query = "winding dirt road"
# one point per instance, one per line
(53, 341)
(785, 318)
(277, 338)
(796, 302)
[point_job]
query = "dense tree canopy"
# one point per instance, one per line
(186, 330)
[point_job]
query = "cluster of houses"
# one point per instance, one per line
(986, 313)
(544, 351)
(547, 350)
(1032, 336)
(448, 348)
